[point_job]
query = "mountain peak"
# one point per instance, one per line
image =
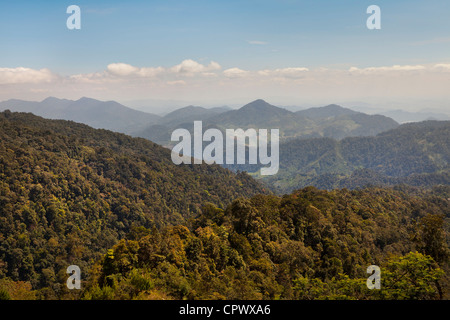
(259, 101)
(257, 104)
(50, 99)
(336, 107)
(331, 110)
(333, 106)
(84, 99)
(261, 106)
(256, 113)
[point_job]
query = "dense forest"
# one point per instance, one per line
(68, 192)
(311, 244)
(140, 227)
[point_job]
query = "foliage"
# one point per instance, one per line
(16, 290)
(410, 277)
(311, 244)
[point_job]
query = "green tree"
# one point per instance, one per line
(410, 277)
(434, 242)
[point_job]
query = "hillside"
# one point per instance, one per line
(68, 192)
(417, 154)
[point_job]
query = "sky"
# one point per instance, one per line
(160, 54)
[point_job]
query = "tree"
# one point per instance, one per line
(433, 238)
(410, 277)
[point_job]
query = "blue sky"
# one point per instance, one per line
(248, 35)
(312, 33)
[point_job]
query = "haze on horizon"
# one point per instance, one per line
(156, 55)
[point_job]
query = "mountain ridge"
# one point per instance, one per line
(417, 154)
(329, 110)
(328, 121)
(109, 115)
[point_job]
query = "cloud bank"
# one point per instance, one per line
(210, 81)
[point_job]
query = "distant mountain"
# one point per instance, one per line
(160, 132)
(257, 114)
(402, 116)
(48, 108)
(337, 122)
(221, 109)
(189, 114)
(98, 114)
(417, 154)
(330, 121)
(331, 110)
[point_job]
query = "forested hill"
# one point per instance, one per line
(417, 154)
(68, 192)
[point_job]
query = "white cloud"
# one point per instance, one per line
(209, 74)
(187, 67)
(96, 77)
(126, 70)
(176, 82)
(122, 69)
(235, 73)
(214, 66)
(190, 67)
(257, 42)
(26, 75)
(193, 79)
(123, 72)
(442, 66)
(387, 69)
(292, 73)
(151, 72)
